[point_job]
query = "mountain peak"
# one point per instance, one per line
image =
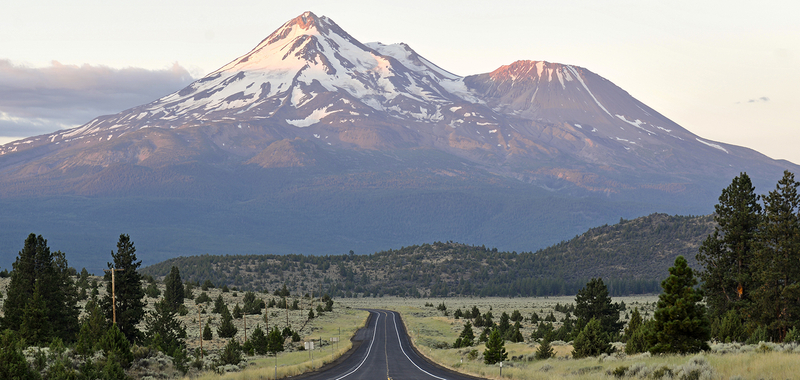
(306, 21)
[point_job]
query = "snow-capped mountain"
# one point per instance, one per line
(359, 116)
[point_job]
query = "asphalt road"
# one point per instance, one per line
(384, 352)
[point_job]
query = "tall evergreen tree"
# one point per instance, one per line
(680, 324)
(495, 349)
(777, 298)
(174, 291)
(593, 301)
(129, 291)
(727, 254)
(37, 268)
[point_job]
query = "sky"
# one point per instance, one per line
(728, 71)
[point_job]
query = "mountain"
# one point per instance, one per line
(632, 256)
(316, 143)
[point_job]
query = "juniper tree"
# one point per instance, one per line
(207, 334)
(545, 350)
(128, 287)
(680, 324)
(727, 254)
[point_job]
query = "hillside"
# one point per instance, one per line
(633, 256)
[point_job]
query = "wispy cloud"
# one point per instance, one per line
(40, 100)
(762, 99)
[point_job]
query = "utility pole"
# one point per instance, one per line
(113, 292)
(244, 318)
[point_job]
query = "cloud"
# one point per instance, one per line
(41, 100)
(761, 99)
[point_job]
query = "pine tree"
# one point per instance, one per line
(680, 324)
(207, 334)
(116, 346)
(174, 291)
(226, 328)
(37, 268)
(129, 291)
(93, 327)
(495, 349)
(466, 338)
(275, 341)
(259, 341)
(219, 305)
(727, 254)
(777, 299)
(162, 323)
(35, 327)
(545, 350)
(515, 335)
(591, 341)
(237, 312)
(505, 324)
(633, 324)
(12, 362)
(593, 301)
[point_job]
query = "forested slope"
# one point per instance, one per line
(633, 257)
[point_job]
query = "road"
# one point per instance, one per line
(384, 352)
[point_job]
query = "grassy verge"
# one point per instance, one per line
(293, 363)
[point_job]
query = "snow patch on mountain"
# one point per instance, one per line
(716, 146)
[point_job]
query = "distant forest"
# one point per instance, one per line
(632, 257)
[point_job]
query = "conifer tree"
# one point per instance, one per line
(207, 334)
(495, 349)
(777, 305)
(593, 340)
(633, 324)
(259, 341)
(545, 350)
(727, 254)
(12, 362)
(35, 327)
(93, 327)
(515, 335)
(116, 347)
(174, 291)
(219, 305)
(680, 324)
(505, 325)
(466, 338)
(593, 301)
(275, 341)
(129, 291)
(37, 268)
(164, 330)
(226, 328)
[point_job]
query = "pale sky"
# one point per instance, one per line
(725, 70)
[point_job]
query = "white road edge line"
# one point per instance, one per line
(368, 350)
(394, 318)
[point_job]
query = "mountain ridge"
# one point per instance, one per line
(311, 113)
